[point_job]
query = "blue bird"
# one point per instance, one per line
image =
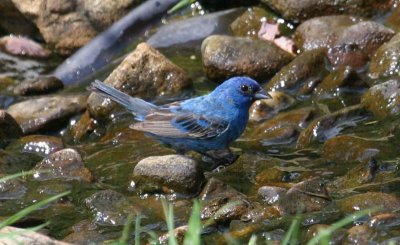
(205, 124)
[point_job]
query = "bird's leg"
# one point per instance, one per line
(222, 157)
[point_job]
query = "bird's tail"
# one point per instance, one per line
(136, 106)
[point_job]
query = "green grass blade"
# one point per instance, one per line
(169, 217)
(24, 212)
(291, 235)
(327, 232)
(253, 240)
(180, 4)
(23, 173)
(123, 240)
(193, 234)
(137, 229)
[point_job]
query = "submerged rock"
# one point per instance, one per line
(46, 112)
(9, 129)
(168, 173)
(42, 145)
(383, 99)
(331, 85)
(299, 10)
(145, 73)
(384, 201)
(66, 164)
(40, 85)
(386, 60)
(301, 75)
(11, 189)
(328, 126)
(266, 109)
(225, 56)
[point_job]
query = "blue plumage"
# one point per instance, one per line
(206, 124)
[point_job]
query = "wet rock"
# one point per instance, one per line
(110, 207)
(295, 10)
(179, 234)
(283, 176)
(85, 233)
(386, 60)
(222, 203)
(46, 112)
(249, 23)
(313, 230)
(385, 221)
(300, 75)
(322, 32)
(359, 234)
(307, 196)
(11, 162)
(40, 85)
(348, 148)
(23, 46)
(12, 235)
(283, 128)
(225, 56)
(384, 201)
(332, 83)
(143, 73)
(65, 164)
(12, 21)
(393, 21)
(168, 173)
(83, 127)
(383, 99)
(11, 189)
(350, 41)
(266, 109)
(271, 194)
(42, 145)
(328, 126)
(9, 129)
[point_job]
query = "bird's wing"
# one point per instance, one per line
(183, 124)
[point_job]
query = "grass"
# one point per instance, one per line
(180, 4)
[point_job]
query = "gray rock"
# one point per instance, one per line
(42, 145)
(110, 207)
(383, 99)
(40, 85)
(144, 73)
(171, 172)
(43, 112)
(225, 56)
(9, 128)
(66, 163)
(271, 194)
(12, 235)
(298, 10)
(386, 60)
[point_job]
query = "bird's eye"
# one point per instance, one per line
(244, 88)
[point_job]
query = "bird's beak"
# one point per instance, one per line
(261, 94)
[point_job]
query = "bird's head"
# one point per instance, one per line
(242, 91)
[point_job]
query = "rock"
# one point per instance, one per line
(266, 109)
(83, 127)
(383, 99)
(12, 235)
(110, 207)
(23, 46)
(12, 21)
(331, 85)
(350, 41)
(41, 145)
(322, 32)
(249, 23)
(9, 129)
(85, 233)
(271, 194)
(386, 60)
(313, 230)
(296, 10)
(385, 221)
(11, 189)
(179, 234)
(283, 128)
(328, 126)
(384, 201)
(348, 148)
(222, 203)
(301, 75)
(359, 234)
(168, 173)
(40, 85)
(143, 73)
(66, 164)
(283, 176)
(306, 196)
(393, 21)
(45, 112)
(225, 56)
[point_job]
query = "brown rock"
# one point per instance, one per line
(40, 85)
(266, 109)
(9, 129)
(384, 201)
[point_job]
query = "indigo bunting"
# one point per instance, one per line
(205, 124)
